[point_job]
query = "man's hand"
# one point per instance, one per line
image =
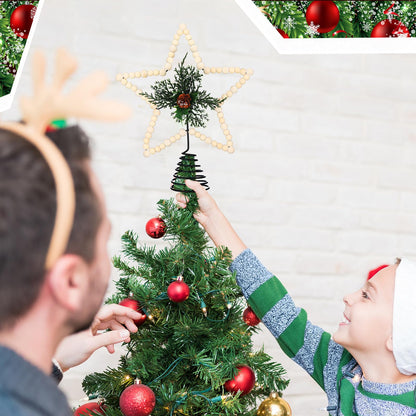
(77, 348)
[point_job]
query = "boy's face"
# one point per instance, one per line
(368, 316)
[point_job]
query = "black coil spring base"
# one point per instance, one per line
(187, 169)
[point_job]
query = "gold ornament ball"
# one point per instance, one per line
(274, 405)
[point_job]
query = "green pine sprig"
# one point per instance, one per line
(187, 80)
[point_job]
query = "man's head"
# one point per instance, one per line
(27, 213)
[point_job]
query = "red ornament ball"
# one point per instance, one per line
(390, 28)
(21, 20)
(324, 14)
(133, 304)
(178, 291)
(156, 227)
(137, 400)
(184, 101)
(285, 35)
(243, 381)
(91, 409)
(250, 318)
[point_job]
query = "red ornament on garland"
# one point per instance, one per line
(156, 227)
(250, 318)
(244, 381)
(285, 35)
(184, 101)
(390, 28)
(324, 14)
(21, 20)
(135, 305)
(90, 409)
(137, 400)
(178, 291)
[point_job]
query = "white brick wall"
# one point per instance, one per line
(323, 181)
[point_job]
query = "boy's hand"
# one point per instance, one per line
(207, 206)
(77, 348)
(212, 219)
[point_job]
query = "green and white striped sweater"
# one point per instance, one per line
(328, 363)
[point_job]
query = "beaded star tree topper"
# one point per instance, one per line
(188, 103)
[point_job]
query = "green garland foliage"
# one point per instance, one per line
(357, 18)
(187, 80)
(11, 46)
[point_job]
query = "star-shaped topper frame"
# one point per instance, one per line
(125, 79)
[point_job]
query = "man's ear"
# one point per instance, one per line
(389, 343)
(68, 281)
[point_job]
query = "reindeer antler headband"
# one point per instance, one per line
(49, 103)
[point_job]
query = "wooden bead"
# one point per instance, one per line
(144, 74)
(138, 74)
(182, 132)
(146, 153)
(152, 151)
(213, 70)
(214, 143)
(157, 148)
(182, 26)
(219, 145)
(162, 146)
(233, 89)
(225, 70)
(173, 48)
(168, 66)
(131, 75)
(207, 70)
(119, 77)
(167, 142)
(219, 70)
(200, 65)
(229, 93)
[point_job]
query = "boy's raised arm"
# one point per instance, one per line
(213, 220)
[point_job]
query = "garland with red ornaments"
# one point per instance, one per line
(331, 19)
(16, 18)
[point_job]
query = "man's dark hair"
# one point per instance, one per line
(27, 215)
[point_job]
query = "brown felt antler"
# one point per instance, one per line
(48, 103)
